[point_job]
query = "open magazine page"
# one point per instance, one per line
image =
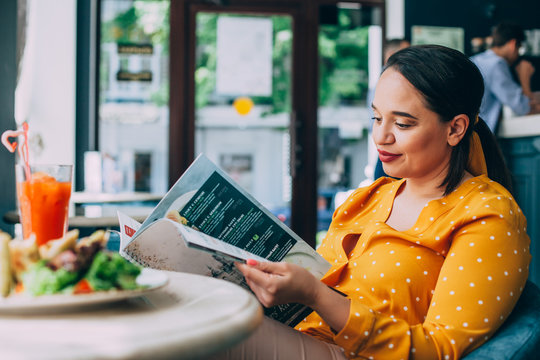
(198, 240)
(167, 245)
(128, 228)
(207, 199)
(163, 247)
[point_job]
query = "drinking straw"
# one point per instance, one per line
(23, 148)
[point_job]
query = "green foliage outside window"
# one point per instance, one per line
(343, 55)
(343, 75)
(206, 60)
(145, 22)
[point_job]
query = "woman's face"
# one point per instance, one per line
(410, 138)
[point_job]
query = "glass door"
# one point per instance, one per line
(246, 78)
(242, 77)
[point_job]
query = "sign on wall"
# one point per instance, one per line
(134, 54)
(244, 56)
(452, 37)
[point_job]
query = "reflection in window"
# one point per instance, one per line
(133, 95)
(249, 140)
(346, 38)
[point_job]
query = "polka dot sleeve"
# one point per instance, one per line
(480, 281)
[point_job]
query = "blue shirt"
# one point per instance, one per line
(500, 88)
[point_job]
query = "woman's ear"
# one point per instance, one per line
(457, 129)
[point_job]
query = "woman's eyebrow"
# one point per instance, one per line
(404, 114)
(399, 113)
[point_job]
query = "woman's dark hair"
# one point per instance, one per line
(451, 85)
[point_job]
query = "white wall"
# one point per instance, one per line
(395, 19)
(45, 96)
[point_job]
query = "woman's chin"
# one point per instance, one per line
(391, 173)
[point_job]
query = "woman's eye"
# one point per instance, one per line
(376, 118)
(403, 126)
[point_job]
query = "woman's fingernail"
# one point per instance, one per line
(251, 262)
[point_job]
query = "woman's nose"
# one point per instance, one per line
(382, 133)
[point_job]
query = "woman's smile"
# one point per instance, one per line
(386, 156)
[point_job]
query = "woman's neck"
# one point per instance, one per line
(428, 189)
(412, 197)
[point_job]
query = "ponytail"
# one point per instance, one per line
(495, 163)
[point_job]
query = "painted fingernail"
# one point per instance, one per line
(251, 262)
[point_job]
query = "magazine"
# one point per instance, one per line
(205, 223)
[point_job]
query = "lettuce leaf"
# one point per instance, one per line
(111, 271)
(41, 280)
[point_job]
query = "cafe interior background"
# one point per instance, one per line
(274, 92)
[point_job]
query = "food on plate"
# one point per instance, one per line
(110, 270)
(6, 277)
(64, 266)
(52, 248)
(23, 253)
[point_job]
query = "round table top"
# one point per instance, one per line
(191, 317)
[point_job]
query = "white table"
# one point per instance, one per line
(78, 197)
(192, 317)
(522, 126)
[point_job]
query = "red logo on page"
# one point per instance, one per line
(129, 231)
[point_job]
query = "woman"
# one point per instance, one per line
(431, 264)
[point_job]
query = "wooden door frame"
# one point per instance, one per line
(305, 93)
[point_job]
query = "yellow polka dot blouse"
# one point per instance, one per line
(435, 291)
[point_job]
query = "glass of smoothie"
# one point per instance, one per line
(43, 193)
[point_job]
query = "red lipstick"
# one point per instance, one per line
(386, 156)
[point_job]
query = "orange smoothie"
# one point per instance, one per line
(44, 204)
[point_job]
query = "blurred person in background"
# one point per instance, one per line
(392, 46)
(500, 87)
(478, 45)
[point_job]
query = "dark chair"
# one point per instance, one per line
(519, 337)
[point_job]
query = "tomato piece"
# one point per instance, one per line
(83, 287)
(19, 288)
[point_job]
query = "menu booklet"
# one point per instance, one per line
(205, 223)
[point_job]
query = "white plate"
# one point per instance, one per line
(153, 279)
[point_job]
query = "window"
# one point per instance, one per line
(133, 114)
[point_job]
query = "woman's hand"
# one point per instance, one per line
(281, 283)
(276, 283)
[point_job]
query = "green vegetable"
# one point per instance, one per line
(41, 280)
(110, 271)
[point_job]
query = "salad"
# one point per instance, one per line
(63, 266)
